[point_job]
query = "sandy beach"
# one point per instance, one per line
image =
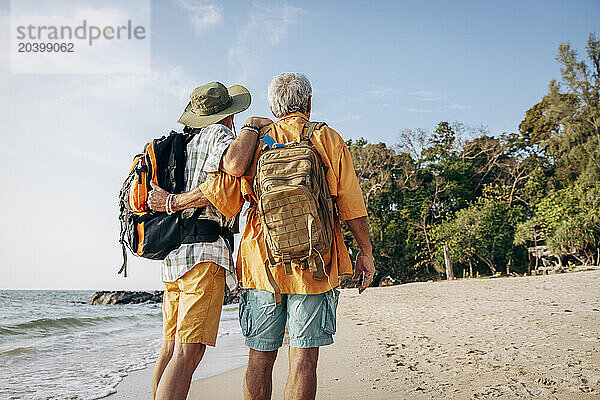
(528, 337)
(230, 353)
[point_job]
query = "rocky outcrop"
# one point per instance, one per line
(346, 282)
(231, 297)
(389, 281)
(156, 296)
(126, 297)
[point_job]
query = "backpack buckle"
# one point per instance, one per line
(316, 267)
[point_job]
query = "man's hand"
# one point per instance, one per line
(157, 197)
(259, 121)
(365, 266)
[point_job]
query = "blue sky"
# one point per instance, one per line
(377, 67)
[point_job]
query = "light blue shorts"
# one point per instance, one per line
(310, 318)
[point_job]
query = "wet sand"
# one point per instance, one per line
(230, 353)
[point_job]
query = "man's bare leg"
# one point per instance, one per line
(259, 375)
(177, 376)
(166, 352)
(302, 380)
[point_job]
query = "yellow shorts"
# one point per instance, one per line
(192, 305)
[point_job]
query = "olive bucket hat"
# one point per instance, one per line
(212, 102)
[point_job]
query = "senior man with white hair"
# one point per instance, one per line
(308, 304)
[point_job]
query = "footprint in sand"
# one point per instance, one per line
(546, 381)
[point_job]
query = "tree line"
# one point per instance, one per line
(488, 198)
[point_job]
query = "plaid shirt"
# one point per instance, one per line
(203, 154)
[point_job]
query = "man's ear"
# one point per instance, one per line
(309, 106)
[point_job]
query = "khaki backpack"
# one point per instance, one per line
(294, 205)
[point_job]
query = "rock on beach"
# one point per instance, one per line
(126, 297)
(139, 297)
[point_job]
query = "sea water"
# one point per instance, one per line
(53, 345)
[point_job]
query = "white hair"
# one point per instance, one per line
(289, 92)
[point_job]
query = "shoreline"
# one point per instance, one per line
(518, 337)
(229, 354)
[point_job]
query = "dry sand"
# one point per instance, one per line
(531, 337)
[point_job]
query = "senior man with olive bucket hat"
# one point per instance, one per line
(195, 274)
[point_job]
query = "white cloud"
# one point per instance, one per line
(426, 95)
(98, 117)
(455, 106)
(170, 82)
(203, 14)
(379, 91)
(415, 110)
(266, 28)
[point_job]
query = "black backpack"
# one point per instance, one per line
(151, 234)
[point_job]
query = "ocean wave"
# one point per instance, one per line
(84, 353)
(45, 325)
(76, 374)
(17, 351)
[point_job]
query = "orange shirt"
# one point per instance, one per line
(228, 195)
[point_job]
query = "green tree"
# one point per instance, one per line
(384, 175)
(482, 233)
(461, 235)
(569, 220)
(574, 104)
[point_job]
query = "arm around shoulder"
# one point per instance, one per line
(239, 154)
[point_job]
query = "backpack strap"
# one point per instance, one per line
(287, 263)
(270, 262)
(309, 128)
(276, 289)
(261, 138)
(124, 266)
